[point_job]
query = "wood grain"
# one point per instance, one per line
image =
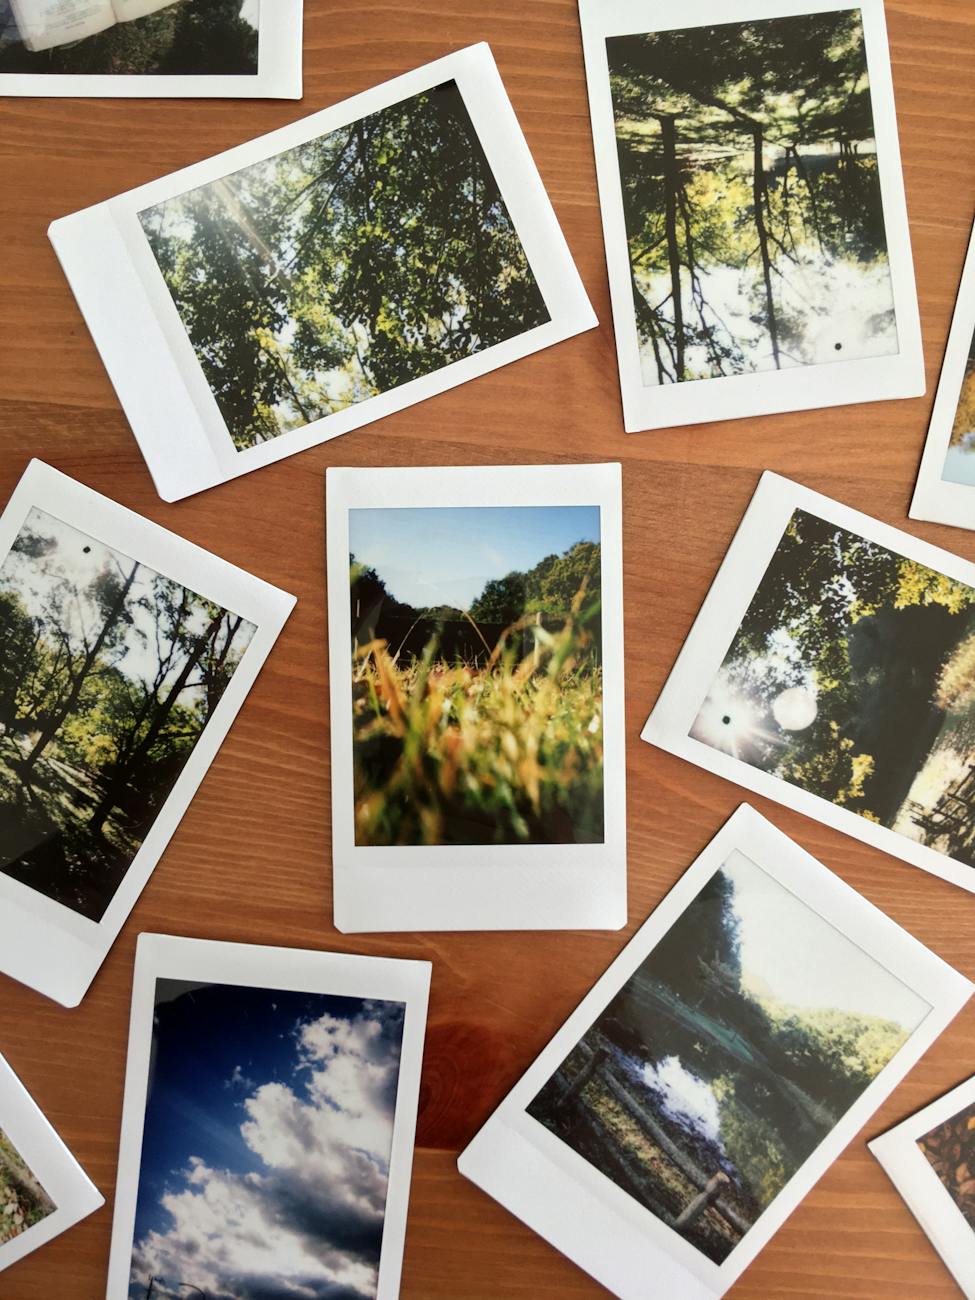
(250, 859)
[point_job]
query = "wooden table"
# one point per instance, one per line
(250, 860)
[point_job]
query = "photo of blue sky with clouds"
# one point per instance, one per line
(269, 1125)
(445, 555)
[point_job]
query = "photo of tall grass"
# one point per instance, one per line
(852, 676)
(728, 1056)
(960, 460)
(23, 1201)
(477, 675)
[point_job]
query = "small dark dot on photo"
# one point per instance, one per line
(838, 346)
(87, 550)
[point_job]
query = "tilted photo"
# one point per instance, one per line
(23, 1201)
(949, 1149)
(274, 1180)
(477, 675)
(345, 267)
(715, 1070)
(727, 1058)
(960, 460)
(127, 38)
(753, 207)
(852, 676)
(109, 675)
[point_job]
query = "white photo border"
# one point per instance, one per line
(732, 397)
(278, 73)
(936, 498)
(45, 944)
(477, 887)
(147, 351)
(74, 1195)
(923, 1191)
(160, 956)
(579, 1210)
(758, 538)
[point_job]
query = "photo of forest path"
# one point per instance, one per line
(752, 196)
(23, 1201)
(345, 267)
(852, 676)
(950, 1151)
(476, 675)
(109, 673)
(728, 1056)
(960, 461)
(186, 38)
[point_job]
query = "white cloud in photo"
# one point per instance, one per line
(307, 1224)
(250, 11)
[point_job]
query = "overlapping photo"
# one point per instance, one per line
(23, 1201)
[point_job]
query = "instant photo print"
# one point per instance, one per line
(43, 1190)
(476, 670)
(832, 668)
(125, 655)
(321, 277)
(753, 207)
(722, 1063)
(930, 1159)
(945, 491)
(243, 49)
(292, 1165)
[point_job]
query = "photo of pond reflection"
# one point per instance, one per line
(729, 1055)
(752, 196)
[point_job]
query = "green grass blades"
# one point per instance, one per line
(508, 752)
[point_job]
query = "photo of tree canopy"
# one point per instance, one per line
(728, 1057)
(23, 1201)
(960, 461)
(345, 267)
(950, 1150)
(476, 675)
(752, 198)
(852, 676)
(187, 38)
(109, 673)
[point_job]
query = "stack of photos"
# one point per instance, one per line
(753, 208)
(481, 680)
(329, 274)
(117, 680)
(42, 1189)
(930, 1158)
(945, 484)
(269, 1112)
(157, 47)
(731, 1052)
(844, 686)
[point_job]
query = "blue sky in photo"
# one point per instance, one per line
(278, 1105)
(444, 555)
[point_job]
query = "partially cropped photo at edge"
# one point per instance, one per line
(130, 38)
(477, 675)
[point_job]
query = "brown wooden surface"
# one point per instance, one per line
(250, 860)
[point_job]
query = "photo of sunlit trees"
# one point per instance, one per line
(752, 196)
(729, 1055)
(852, 676)
(345, 267)
(950, 1150)
(960, 461)
(186, 38)
(109, 673)
(23, 1201)
(477, 675)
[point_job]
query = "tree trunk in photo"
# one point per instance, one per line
(53, 723)
(759, 197)
(123, 775)
(668, 129)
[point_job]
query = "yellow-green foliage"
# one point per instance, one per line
(751, 1144)
(513, 749)
(956, 685)
(965, 415)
